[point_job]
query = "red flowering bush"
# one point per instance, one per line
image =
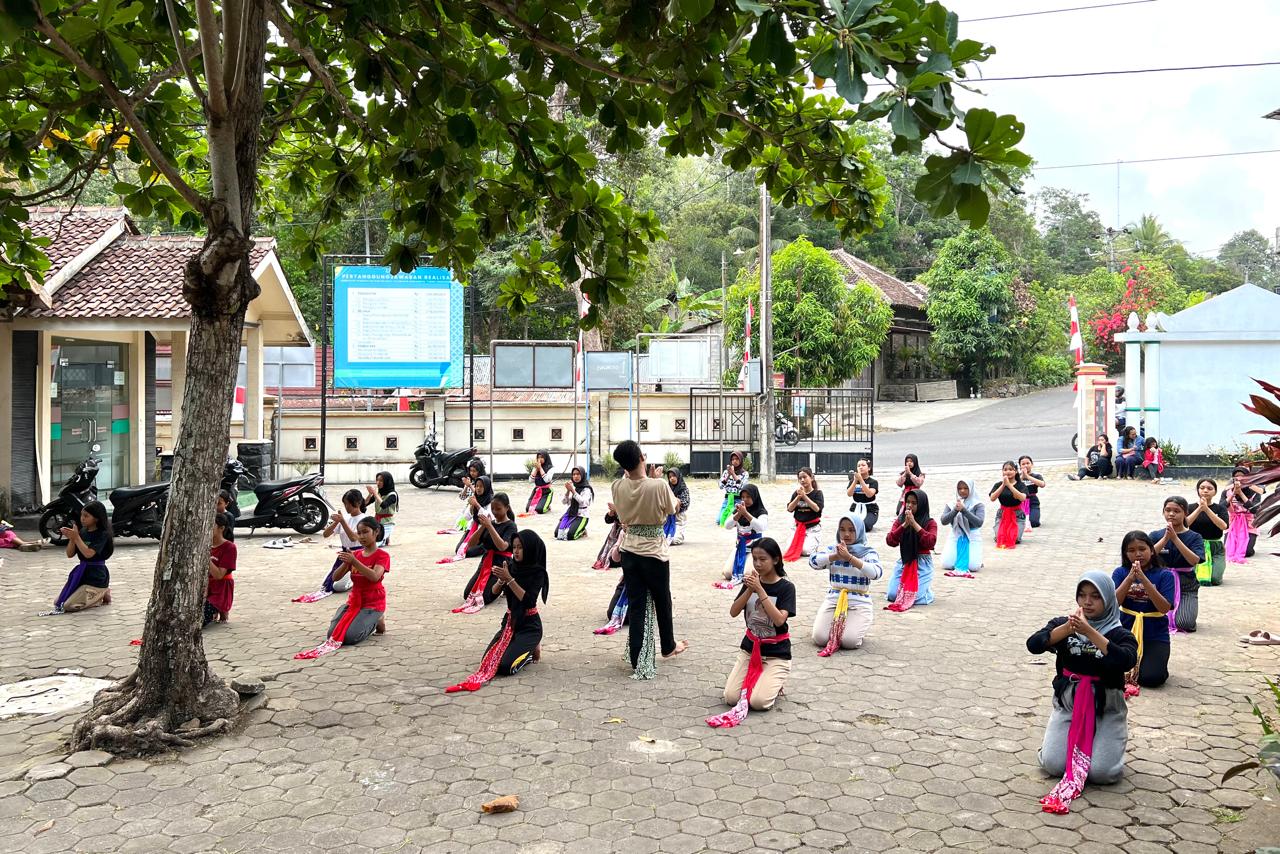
(1138, 296)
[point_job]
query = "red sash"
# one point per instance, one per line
(796, 550)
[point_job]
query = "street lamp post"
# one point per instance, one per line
(768, 467)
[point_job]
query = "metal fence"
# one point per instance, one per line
(828, 429)
(719, 424)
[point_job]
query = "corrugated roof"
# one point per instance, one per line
(136, 277)
(899, 293)
(74, 231)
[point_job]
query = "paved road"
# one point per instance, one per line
(1039, 424)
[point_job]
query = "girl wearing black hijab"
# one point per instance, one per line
(478, 506)
(674, 528)
(578, 495)
(519, 639)
(749, 520)
(910, 478)
(540, 499)
(385, 503)
(915, 535)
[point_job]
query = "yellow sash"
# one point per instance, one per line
(842, 605)
(1138, 623)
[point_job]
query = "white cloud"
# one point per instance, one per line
(1139, 116)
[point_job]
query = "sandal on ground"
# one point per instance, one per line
(1265, 639)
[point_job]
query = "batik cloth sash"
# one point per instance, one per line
(739, 560)
(755, 667)
(796, 550)
(326, 588)
(726, 507)
(837, 624)
(908, 587)
(647, 662)
(492, 658)
(616, 618)
(1007, 530)
(1079, 747)
(610, 540)
(75, 579)
(1139, 620)
(1177, 595)
(475, 598)
(1237, 539)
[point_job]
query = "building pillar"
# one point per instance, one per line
(253, 384)
(1133, 392)
(1151, 388)
(177, 383)
(6, 410)
(44, 415)
(140, 455)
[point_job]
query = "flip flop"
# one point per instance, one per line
(1265, 639)
(1253, 634)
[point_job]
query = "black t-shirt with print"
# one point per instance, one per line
(783, 592)
(803, 513)
(860, 497)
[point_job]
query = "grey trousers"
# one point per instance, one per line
(361, 627)
(1188, 611)
(1111, 733)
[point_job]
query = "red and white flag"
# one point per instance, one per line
(237, 404)
(1077, 343)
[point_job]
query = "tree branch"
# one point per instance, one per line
(234, 20)
(207, 23)
(182, 53)
(277, 16)
(121, 103)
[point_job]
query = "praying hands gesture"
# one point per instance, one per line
(1079, 624)
(502, 571)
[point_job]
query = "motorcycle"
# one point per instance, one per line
(784, 431)
(64, 511)
(436, 468)
(139, 510)
(298, 503)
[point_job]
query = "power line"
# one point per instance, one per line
(1124, 71)
(1056, 11)
(1158, 159)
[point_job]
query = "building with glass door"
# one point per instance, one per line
(78, 361)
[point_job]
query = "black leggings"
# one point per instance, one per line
(871, 517)
(524, 640)
(648, 577)
(1034, 518)
(1153, 670)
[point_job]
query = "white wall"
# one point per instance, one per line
(1202, 387)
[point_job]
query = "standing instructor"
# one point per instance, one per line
(643, 505)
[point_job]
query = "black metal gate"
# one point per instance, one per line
(829, 429)
(719, 420)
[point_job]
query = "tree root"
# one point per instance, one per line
(127, 720)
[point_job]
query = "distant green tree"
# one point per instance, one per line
(1248, 254)
(824, 331)
(971, 303)
(1072, 230)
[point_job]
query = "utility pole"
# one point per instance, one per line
(768, 467)
(724, 317)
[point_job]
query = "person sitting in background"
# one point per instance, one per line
(1153, 459)
(1097, 462)
(1129, 454)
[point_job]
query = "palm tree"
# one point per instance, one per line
(1149, 237)
(682, 305)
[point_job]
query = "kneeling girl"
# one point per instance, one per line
(766, 601)
(852, 564)
(1146, 594)
(578, 496)
(1088, 721)
(366, 606)
(749, 520)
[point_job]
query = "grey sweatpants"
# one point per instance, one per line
(1111, 733)
(361, 627)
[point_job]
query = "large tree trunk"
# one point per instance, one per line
(173, 696)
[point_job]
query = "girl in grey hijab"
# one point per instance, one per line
(962, 554)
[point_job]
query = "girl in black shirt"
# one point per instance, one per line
(1209, 520)
(766, 601)
(1010, 520)
(806, 508)
(862, 489)
(496, 534)
(1242, 502)
(1088, 722)
(91, 545)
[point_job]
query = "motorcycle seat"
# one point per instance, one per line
(267, 487)
(126, 493)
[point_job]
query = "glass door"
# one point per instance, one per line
(90, 410)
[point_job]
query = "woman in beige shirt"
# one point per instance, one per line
(642, 505)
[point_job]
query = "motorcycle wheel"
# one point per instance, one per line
(418, 477)
(1075, 442)
(51, 525)
(311, 516)
(791, 437)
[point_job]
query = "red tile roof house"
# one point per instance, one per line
(77, 364)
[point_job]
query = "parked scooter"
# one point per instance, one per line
(436, 468)
(138, 511)
(784, 431)
(64, 511)
(297, 503)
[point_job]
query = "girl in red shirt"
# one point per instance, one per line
(366, 606)
(222, 562)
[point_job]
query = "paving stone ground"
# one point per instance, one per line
(924, 740)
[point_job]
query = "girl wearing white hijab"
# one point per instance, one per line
(1088, 723)
(962, 553)
(852, 564)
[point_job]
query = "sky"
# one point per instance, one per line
(1104, 119)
